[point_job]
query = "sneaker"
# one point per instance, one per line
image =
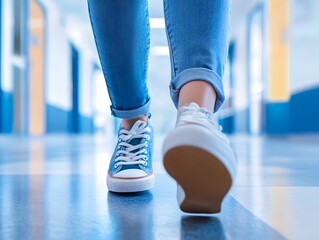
(200, 158)
(130, 167)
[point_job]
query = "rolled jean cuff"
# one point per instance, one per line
(132, 113)
(193, 74)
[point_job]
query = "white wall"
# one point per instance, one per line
(240, 68)
(304, 45)
(86, 84)
(238, 33)
(7, 45)
(85, 45)
(62, 30)
(58, 83)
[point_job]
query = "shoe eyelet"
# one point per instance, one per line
(115, 166)
(148, 137)
(145, 164)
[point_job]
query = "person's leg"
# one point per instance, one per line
(196, 154)
(121, 31)
(198, 38)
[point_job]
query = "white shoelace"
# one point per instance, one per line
(192, 113)
(127, 154)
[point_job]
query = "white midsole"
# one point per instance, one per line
(130, 184)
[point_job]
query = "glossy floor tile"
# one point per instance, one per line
(54, 188)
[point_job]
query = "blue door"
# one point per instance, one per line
(0, 66)
(75, 125)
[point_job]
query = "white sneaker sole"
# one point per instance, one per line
(126, 185)
(203, 165)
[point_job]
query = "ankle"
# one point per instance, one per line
(128, 123)
(199, 92)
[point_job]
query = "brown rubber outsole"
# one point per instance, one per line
(204, 179)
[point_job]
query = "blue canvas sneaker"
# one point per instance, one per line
(130, 167)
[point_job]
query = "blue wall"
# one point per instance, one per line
(86, 124)
(58, 120)
(6, 112)
(304, 111)
(62, 121)
(277, 119)
(299, 115)
(228, 124)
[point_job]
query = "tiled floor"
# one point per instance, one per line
(54, 188)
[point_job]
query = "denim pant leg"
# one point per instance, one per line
(197, 33)
(121, 32)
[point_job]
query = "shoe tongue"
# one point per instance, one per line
(136, 141)
(192, 104)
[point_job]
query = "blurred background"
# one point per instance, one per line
(51, 80)
(53, 94)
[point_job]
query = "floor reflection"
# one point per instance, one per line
(132, 212)
(54, 188)
(201, 227)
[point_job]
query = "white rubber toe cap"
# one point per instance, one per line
(131, 173)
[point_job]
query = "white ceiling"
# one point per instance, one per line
(78, 8)
(73, 8)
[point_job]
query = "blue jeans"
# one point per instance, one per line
(197, 32)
